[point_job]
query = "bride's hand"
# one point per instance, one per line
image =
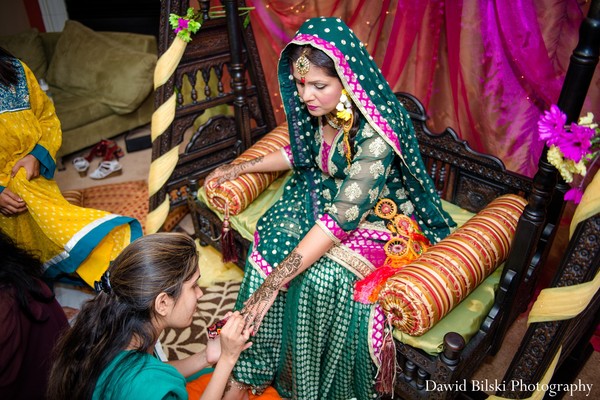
(224, 173)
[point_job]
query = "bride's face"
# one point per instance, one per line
(319, 91)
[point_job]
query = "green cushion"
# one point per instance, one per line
(87, 63)
(27, 47)
(74, 111)
(464, 319)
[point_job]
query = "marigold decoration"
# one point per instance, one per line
(344, 107)
(406, 244)
(573, 149)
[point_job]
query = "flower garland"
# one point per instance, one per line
(573, 149)
(190, 23)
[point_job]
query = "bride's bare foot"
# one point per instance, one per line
(235, 390)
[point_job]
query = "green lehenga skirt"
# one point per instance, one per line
(314, 340)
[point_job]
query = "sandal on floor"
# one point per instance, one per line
(107, 168)
(81, 165)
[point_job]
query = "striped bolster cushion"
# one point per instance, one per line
(424, 291)
(240, 192)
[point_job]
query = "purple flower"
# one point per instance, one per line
(574, 194)
(576, 144)
(551, 125)
(182, 24)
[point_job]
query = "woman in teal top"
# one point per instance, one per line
(352, 147)
(107, 354)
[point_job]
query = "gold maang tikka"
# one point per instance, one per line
(302, 65)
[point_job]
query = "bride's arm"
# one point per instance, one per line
(275, 161)
(312, 247)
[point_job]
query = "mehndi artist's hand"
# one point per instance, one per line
(262, 299)
(11, 203)
(31, 166)
(234, 337)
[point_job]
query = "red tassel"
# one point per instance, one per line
(386, 375)
(367, 290)
(228, 250)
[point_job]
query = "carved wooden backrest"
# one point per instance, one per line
(220, 75)
(461, 175)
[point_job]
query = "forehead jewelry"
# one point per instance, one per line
(302, 65)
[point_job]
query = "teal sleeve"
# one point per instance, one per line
(158, 382)
(47, 164)
(140, 377)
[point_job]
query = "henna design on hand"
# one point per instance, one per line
(263, 295)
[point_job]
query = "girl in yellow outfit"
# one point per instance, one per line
(32, 209)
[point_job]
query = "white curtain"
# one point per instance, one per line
(54, 13)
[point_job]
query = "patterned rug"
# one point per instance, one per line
(218, 299)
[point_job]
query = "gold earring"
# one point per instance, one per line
(345, 114)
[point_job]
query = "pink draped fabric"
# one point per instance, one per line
(486, 68)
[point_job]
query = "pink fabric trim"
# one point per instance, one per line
(326, 148)
(333, 227)
(369, 244)
(261, 262)
(378, 330)
(288, 152)
(354, 86)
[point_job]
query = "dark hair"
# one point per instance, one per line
(322, 60)
(106, 324)
(8, 72)
(22, 271)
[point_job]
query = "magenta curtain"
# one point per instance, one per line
(486, 68)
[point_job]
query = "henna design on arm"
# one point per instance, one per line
(288, 267)
(232, 171)
(253, 161)
(263, 295)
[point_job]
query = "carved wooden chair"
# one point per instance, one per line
(220, 78)
(581, 261)
(462, 176)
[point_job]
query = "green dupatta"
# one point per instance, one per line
(377, 104)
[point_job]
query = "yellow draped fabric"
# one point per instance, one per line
(163, 167)
(554, 304)
(65, 237)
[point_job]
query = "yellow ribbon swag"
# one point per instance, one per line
(560, 303)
